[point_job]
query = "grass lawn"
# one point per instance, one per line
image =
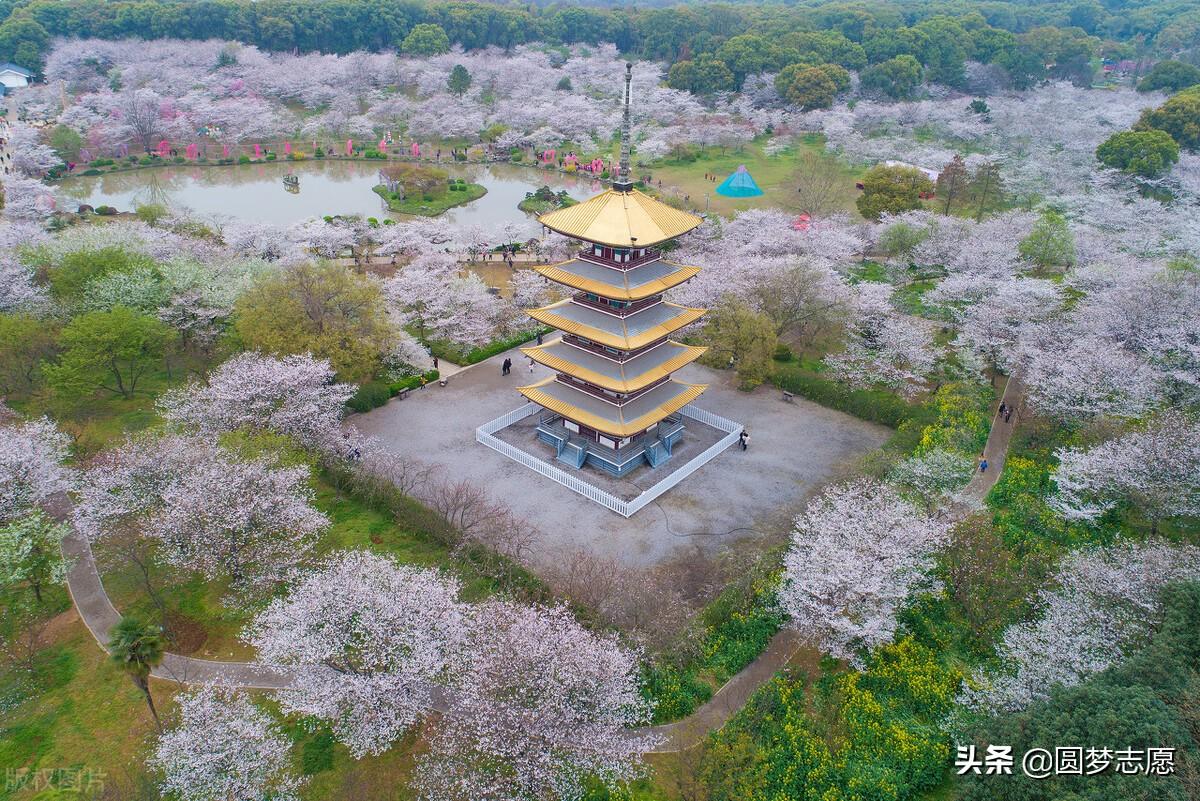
(775, 175)
(438, 202)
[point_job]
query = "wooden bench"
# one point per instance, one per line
(402, 394)
(789, 397)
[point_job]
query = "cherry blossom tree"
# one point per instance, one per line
(1156, 469)
(292, 395)
(17, 289)
(993, 327)
(1076, 377)
(884, 347)
(1104, 601)
(224, 748)
(371, 639)
(30, 157)
(31, 465)
(208, 509)
(543, 704)
(432, 295)
(27, 199)
(858, 552)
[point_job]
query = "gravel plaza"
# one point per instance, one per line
(794, 448)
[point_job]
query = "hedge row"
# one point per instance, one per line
(374, 394)
(877, 406)
(455, 355)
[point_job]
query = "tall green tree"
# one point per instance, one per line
(25, 343)
(137, 648)
(702, 76)
(1179, 116)
(1050, 245)
(1144, 153)
(743, 338)
(892, 190)
(107, 350)
(1170, 76)
(426, 39)
(807, 87)
(986, 191)
(460, 80)
(952, 184)
(897, 77)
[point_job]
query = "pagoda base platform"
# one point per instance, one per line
(650, 450)
(622, 480)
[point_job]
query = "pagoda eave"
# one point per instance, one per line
(562, 274)
(623, 333)
(630, 376)
(621, 219)
(610, 419)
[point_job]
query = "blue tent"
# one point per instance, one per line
(739, 184)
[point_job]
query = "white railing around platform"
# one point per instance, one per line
(485, 434)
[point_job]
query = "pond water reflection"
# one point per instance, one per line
(256, 191)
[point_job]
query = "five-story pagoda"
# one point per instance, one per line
(612, 402)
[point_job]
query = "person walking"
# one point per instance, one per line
(435, 362)
(744, 438)
(539, 337)
(506, 367)
(1003, 408)
(531, 366)
(983, 466)
(1007, 414)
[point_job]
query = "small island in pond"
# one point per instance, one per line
(544, 200)
(428, 191)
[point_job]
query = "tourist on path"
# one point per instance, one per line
(744, 438)
(506, 367)
(983, 466)
(435, 362)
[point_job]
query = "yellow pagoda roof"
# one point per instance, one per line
(621, 219)
(628, 376)
(632, 284)
(624, 333)
(626, 420)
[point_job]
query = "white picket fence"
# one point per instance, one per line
(486, 435)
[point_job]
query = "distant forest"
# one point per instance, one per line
(718, 44)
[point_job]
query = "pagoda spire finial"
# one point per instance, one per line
(623, 182)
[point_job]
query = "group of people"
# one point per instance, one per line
(507, 364)
(1005, 414)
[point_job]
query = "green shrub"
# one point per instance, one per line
(106, 211)
(243, 159)
(90, 172)
(782, 353)
(370, 395)
(676, 693)
(271, 157)
(877, 406)
(412, 382)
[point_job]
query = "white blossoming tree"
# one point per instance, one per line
(371, 640)
(31, 466)
(1157, 470)
(224, 749)
(543, 704)
(208, 509)
(292, 395)
(858, 551)
(1104, 600)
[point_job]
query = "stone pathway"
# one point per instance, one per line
(99, 615)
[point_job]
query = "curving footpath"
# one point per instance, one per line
(99, 615)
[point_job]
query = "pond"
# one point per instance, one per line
(256, 191)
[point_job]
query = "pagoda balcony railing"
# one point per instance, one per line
(620, 357)
(636, 306)
(609, 261)
(621, 400)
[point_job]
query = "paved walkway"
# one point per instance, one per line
(99, 615)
